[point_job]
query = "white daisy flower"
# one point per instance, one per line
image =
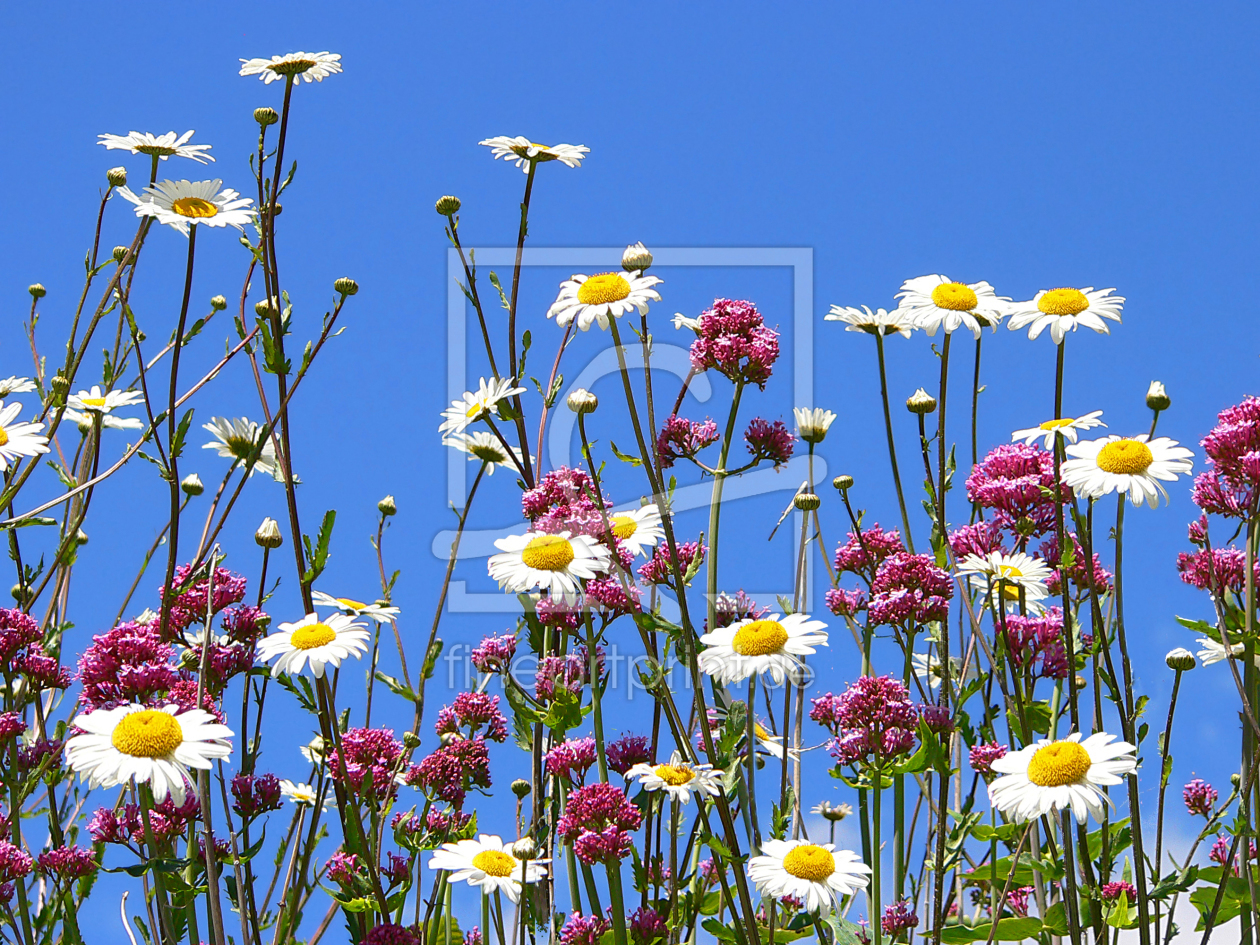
(476, 404)
(313, 751)
(18, 438)
(85, 421)
(236, 439)
(813, 423)
(1061, 310)
(879, 322)
(554, 563)
(1058, 775)
(1137, 466)
(936, 302)
(771, 645)
(927, 666)
(593, 299)
(1018, 573)
(309, 67)
(485, 446)
(157, 746)
(815, 873)
(1213, 652)
(1065, 427)
(16, 385)
(381, 613)
(486, 864)
(638, 530)
(98, 402)
(163, 146)
(682, 321)
(321, 642)
(179, 203)
(303, 795)
(525, 152)
(677, 778)
(772, 744)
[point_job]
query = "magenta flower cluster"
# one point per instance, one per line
(471, 711)
(909, 590)
(898, 917)
(1036, 643)
(1200, 797)
(494, 653)
(681, 438)
(660, 570)
(583, 930)
(1230, 486)
(564, 501)
(983, 755)
(863, 551)
(627, 751)
(192, 596)
(598, 820)
(253, 795)
(1016, 483)
(733, 339)
(769, 441)
(453, 769)
(871, 722)
(571, 759)
(371, 759)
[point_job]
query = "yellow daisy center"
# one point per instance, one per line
(623, 526)
(349, 604)
(759, 638)
(1058, 763)
(543, 153)
(194, 207)
(488, 453)
(675, 775)
(602, 289)
(474, 409)
(1060, 424)
(239, 446)
(1063, 302)
(760, 732)
(292, 66)
(4, 437)
(954, 296)
(92, 401)
(494, 863)
(1125, 457)
(312, 635)
(548, 553)
(810, 862)
(149, 733)
(1008, 571)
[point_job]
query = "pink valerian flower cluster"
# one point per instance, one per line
(938, 718)
(732, 338)
(68, 863)
(446, 821)
(1036, 643)
(189, 604)
(126, 827)
(396, 869)
(1010, 481)
(564, 501)
(494, 653)
(1231, 484)
(18, 630)
(583, 930)
(844, 603)
(255, 794)
(610, 596)
(1220, 853)
(11, 725)
(14, 862)
(559, 612)
(390, 934)
(21, 651)
(34, 755)
(598, 820)
(982, 757)
(898, 917)
(772, 441)
(982, 539)
(627, 751)
(453, 769)
(571, 759)
(1078, 575)
(681, 438)
(1200, 797)
(863, 551)
(128, 664)
(472, 710)
(659, 569)
(473, 936)
(871, 721)
(647, 926)
(1110, 892)
(1217, 570)
(1017, 901)
(345, 869)
(40, 670)
(372, 759)
(570, 673)
(909, 590)
(728, 609)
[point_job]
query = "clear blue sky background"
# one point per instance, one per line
(1030, 146)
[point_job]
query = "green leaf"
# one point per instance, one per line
(318, 558)
(844, 932)
(624, 457)
(1055, 920)
(398, 687)
(724, 933)
(1008, 930)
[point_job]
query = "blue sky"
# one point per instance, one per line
(1079, 144)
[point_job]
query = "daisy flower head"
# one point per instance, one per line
(85, 421)
(161, 146)
(812, 423)
(154, 746)
(181, 203)
(593, 299)
(237, 438)
(934, 302)
(682, 321)
(486, 447)
(771, 744)
(477, 404)
(1060, 775)
(554, 563)
(817, 874)
(1066, 427)
(1062, 310)
(1137, 466)
(95, 401)
(677, 778)
(771, 644)
(15, 385)
(18, 438)
(638, 530)
(303, 795)
(1213, 651)
(487, 864)
(879, 322)
(320, 642)
(381, 613)
(1019, 575)
(527, 153)
(309, 67)
(927, 666)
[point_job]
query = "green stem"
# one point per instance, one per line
(715, 507)
(876, 915)
(892, 446)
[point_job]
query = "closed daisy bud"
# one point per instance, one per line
(346, 286)
(264, 308)
(266, 116)
(386, 506)
(268, 534)
(524, 848)
(37, 291)
(1081, 682)
(1180, 659)
(20, 594)
(61, 382)
(813, 424)
(447, 206)
(636, 258)
(410, 741)
(521, 788)
(218, 303)
(81, 537)
(117, 176)
(191, 485)
(582, 401)
(119, 253)
(921, 402)
(843, 483)
(1157, 398)
(806, 501)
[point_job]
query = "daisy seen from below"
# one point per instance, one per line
(237, 439)
(927, 666)
(594, 299)
(16, 385)
(97, 402)
(554, 563)
(486, 447)
(85, 421)
(1062, 310)
(812, 423)
(879, 322)
(1060, 775)
(638, 530)
(153, 746)
(677, 778)
(935, 301)
(485, 863)
(181, 203)
(1137, 466)
(815, 873)
(1018, 575)
(309, 67)
(303, 795)
(1214, 652)
(1066, 427)
(772, 645)
(321, 642)
(159, 146)
(18, 438)
(771, 744)
(381, 613)
(682, 321)
(527, 153)
(474, 405)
